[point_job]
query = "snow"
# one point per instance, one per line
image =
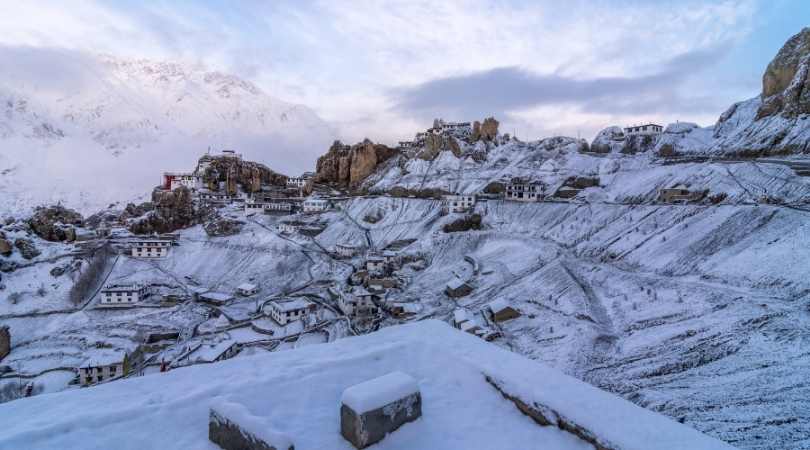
(239, 414)
(379, 392)
(297, 393)
(497, 306)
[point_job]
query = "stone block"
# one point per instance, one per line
(232, 427)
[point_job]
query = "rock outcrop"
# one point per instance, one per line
(27, 248)
(235, 172)
(55, 223)
(786, 82)
(223, 226)
(609, 140)
(5, 247)
(486, 131)
(173, 210)
(347, 166)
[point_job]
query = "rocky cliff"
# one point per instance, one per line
(786, 84)
(172, 211)
(347, 166)
(248, 175)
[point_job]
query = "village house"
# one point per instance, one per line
(680, 193)
(214, 352)
(230, 154)
(375, 264)
(315, 205)
(151, 248)
(501, 311)
(290, 227)
(214, 298)
(348, 250)
(123, 294)
(457, 288)
(206, 196)
(359, 303)
(648, 129)
(381, 283)
(522, 190)
(174, 180)
(458, 203)
(5, 341)
(278, 207)
(104, 365)
(287, 310)
(296, 182)
(247, 289)
(567, 192)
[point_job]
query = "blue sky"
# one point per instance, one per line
(384, 69)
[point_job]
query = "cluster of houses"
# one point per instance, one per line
(496, 311)
(440, 127)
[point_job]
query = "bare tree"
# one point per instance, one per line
(91, 276)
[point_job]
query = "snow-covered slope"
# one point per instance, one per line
(298, 393)
(104, 128)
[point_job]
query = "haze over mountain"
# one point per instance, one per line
(93, 128)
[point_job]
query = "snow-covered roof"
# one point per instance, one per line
(103, 357)
(246, 287)
(210, 352)
(498, 305)
(122, 288)
(460, 315)
(292, 304)
(218, 297)
(430, 351)
(456, 283)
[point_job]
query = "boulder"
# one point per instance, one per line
(27, 248)
(609, 140)
(371, 410)
(232, 427)
(55, 223)
(223, 226)
(5, 247)
(248, 175)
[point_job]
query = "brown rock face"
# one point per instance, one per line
(348, 166)
(55, 223)
(786, 82)
(5, 247)
(173, 210)
(486, 131)
(235, 172)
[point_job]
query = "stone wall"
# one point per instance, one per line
(5, 342)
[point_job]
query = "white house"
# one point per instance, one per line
(278, 207)
(103, 365)
(247, 289)
(173, 180)
(207, 196)
(151, 248)
(315, 204)
(458, 203)
(122, 295)
(230, 154)
(214, 298)
(288, 227)
(359, 303)
(522, 190)
(347, 250)
(284, 311)
(648, 129)
(375, 264)
(296, 182)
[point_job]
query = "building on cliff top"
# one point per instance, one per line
(648, 129)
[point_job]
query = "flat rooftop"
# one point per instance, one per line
(298, 392)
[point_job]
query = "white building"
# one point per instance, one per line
(522, 190)
(648, 129)
(458, 203)
(359, 303)
(230, 154)
(104, 365)
(151, 248)
(207, 196)
(247, 289)
(288, 227)
(173, 180)
(315, 204)
(375, 264)
(347, 250)
(284, 311)
(296, 182)
(123, 295)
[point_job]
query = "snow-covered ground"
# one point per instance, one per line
(298, 393)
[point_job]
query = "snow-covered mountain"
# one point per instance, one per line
(101, 128)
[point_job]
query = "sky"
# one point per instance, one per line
(384, 70)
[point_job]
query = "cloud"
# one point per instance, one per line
(502, 90)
